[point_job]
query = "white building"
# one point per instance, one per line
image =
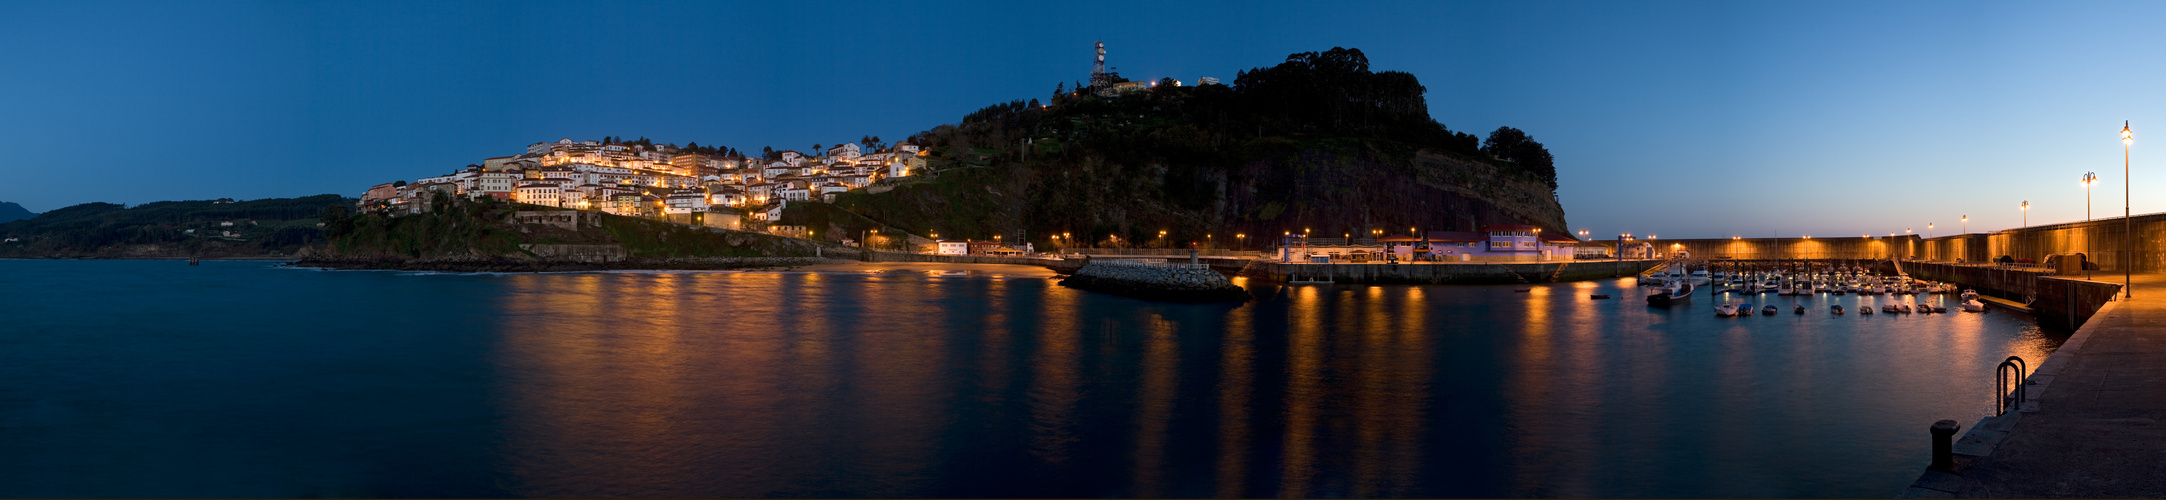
(496, 182)
(845, 152)
(685, 202)
(547, 194)
(951, 247)
(795, 194)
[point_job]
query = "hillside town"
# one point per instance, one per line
(660, 181)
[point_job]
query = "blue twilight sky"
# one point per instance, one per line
(1696, 119)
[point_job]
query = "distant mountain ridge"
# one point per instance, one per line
(272, 227)
(9, 211)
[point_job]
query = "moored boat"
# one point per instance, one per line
(1678, 291)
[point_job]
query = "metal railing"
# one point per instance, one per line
(2005, 395)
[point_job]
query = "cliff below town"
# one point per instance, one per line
(1318, 143)
(483, 235)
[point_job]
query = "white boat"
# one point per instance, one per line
(1969, 294)
(1725, 310)
(1973, 305)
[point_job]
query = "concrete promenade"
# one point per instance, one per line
(2093, 423)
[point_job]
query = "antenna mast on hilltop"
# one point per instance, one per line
(1098, 68)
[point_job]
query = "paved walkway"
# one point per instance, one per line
(2095, 421)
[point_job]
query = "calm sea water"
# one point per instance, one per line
(144, 378)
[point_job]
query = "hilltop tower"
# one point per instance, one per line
(1098, 68)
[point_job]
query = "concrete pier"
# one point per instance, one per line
(2093, 423)
(2059, 302)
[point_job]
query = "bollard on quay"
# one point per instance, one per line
(1943, 445)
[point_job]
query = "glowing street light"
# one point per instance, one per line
(2128, 228)
(2089, 178)
(1966, 224)
(2026, 213)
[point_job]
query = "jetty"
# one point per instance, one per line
(1159, 281)
(2090, 422)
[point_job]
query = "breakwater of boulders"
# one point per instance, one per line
(1159, 283)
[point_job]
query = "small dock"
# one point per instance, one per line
(2004, 304)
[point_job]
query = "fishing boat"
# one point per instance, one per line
(1678, 291)
(1969, 294)
(1973, 305)
(1725, 310)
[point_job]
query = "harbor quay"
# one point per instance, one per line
(2088, 422)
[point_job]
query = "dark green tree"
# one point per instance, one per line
(1513, 145)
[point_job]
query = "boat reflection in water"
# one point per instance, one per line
(911, 384)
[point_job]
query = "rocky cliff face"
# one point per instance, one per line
(1319, 143)
(1330, 192)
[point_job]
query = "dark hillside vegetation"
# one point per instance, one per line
(1318, 142)
(171, 229)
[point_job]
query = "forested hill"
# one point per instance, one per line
(9, 211)
(1318, 142)
(171, 229)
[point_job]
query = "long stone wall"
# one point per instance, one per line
(1476, 273)
(1851, 247)
(2101, 239)
(1957, 248)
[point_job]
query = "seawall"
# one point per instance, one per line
(1449, 273)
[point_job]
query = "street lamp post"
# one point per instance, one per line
(2088, 179)
(2128, 228)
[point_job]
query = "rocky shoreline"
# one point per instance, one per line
(1157, 283)
(494, 264)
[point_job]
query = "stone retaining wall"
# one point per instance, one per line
(1449, 273)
